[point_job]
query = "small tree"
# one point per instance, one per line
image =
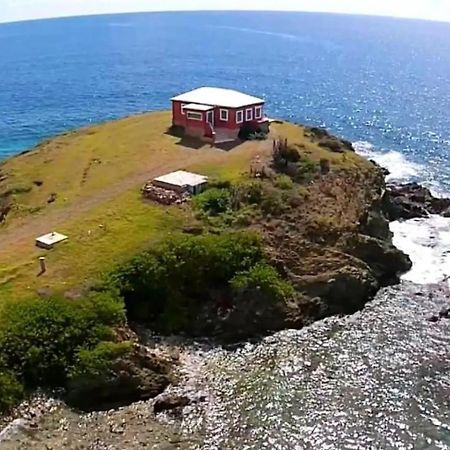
(283, 153)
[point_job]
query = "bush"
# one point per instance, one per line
(265, 279)
(283, 182)
(96, 362)
(40, 338)
(251, 192)
(285, 154)
(251, 131)
(264, 195)
(306, 170)
(11, 390)
(258, 136)
(213, 201)
(165, 286)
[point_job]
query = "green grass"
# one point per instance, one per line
(97, 241)
(97, 174)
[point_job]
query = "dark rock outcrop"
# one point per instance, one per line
(386, 262)
(167, 402)
(410, 201)
(236, 316)
(329, 141)
(141, 375)
(341, 292)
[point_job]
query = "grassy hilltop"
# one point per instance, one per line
(96, 174)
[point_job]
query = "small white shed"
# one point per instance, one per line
(48, 241)
(181, 181)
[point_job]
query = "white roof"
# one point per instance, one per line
(195, 107)
(182, 178)
(218, 97)
(51, 238)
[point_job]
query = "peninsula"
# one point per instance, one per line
(290, 229)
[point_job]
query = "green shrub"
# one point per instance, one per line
(249, 130)
(262, 194)
(283, 182)
(167, 284)
(285, 155)
(96, 362)
(273, 203)
(265, 279)
(250, 192)
(40, 338)
(11, 390)
(306, 170)
(213, 201)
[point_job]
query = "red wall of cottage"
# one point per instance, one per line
(180, 119)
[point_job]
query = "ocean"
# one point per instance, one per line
(377, 380)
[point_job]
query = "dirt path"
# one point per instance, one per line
(30, 227)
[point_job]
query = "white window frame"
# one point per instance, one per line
(249, 114)
(194, 115)
(227, 115)
(182, 109)
(258, 112)
(241, 114)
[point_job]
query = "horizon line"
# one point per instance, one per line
(178, 11)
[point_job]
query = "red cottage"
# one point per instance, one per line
(217, 115)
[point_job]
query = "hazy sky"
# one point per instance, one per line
(12, 10)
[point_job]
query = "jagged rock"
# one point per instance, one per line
(139, 376)
(410, 201)
(344, 291)
(385, 260)
(375, 224)
(52, 198)
(170, 402)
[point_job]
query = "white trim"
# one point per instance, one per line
(240, 113)
(182, 108)
(194, 116)
(210, 114)
(227, 115)
(248, 114)
(258, 112)
(197, 107)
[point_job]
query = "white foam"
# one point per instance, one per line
(427, 242)
(400, 168)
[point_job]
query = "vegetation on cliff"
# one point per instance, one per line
(45, 341)
(186, 279)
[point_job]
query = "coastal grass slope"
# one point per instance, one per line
(86, 184)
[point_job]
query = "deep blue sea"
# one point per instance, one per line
(376, 80)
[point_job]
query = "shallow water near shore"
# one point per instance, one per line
(379, 379)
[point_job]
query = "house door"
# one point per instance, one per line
(210, 118)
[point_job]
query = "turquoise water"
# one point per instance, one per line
(382, 81)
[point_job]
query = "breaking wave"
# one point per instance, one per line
(399, 167)
(426, 241)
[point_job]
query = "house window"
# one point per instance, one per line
(258, 112)
(194, 115)
(182, 109)
(249, 114)
(224, 115)
(239, 116)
